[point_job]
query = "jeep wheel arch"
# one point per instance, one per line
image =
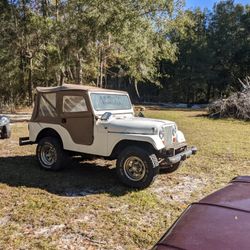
(48, 132)
(121, 145)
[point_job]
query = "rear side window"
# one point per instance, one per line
(47, 107)
(73, 104)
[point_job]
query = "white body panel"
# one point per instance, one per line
(108, 133)
(99, 145)
(180, 137)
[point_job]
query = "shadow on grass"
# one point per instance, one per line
(80, 179)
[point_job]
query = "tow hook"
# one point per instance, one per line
(184, 157)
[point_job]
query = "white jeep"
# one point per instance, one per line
(74, 119)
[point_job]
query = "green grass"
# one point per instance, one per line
(86, 206)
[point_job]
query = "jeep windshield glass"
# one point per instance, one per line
(110, 101)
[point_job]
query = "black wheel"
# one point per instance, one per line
(50, 154)
(6, 132)
(170, 168)
(137, 167)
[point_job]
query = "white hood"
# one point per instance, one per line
(137, 125)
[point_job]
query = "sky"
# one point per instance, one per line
(209, 3)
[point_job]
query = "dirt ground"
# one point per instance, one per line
(85, 206)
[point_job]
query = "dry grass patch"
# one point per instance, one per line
(85, 207)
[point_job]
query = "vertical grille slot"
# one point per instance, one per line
(168, 134)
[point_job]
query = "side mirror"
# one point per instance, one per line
(106, 116)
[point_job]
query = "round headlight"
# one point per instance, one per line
(3, 120)
(161, 134)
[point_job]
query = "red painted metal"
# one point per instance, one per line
(219, 221)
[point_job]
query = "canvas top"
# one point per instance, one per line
(69, 87)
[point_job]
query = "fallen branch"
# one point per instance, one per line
(235, 106)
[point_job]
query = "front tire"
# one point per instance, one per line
(136, 167)
(50, 154)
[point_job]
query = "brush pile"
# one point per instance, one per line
(236, 105)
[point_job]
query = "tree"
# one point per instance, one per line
(187, 78)
(228, 35)
(145, 46)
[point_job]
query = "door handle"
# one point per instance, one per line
(64, 120)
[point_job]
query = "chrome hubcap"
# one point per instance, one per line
(48, 154)
(134, 168)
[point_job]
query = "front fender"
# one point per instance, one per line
(180, 137)
(115, 138)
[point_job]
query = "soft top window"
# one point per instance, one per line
(47, 107)
(103, 101)
(74, 104)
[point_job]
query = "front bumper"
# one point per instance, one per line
(181, 156)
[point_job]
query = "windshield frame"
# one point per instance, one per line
(110, 93)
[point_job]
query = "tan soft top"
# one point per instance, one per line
(68, 87)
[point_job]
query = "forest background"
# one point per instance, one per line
(157, 50)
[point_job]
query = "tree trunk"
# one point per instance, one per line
(61, 77)
(99, 68)
(105, 78)
(136, 88)
(101, 73)
(69, 74)
(46, 68)
(208, 92)
(45, 8)
(23, 62)
(30, 81)
(79, 69)
(45, 16)
(22, 75)
(57, 9)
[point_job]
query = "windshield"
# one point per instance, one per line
(103, 101)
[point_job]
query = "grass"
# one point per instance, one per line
(85, 207)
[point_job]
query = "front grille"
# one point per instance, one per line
(168, 135)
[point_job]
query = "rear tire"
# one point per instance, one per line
(50, 154)
(136, 167)
(6, 132)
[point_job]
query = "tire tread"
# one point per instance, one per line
(150, 160)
